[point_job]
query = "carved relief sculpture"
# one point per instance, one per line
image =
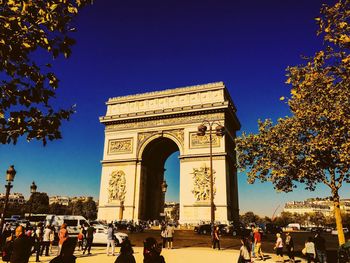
(120, 146)
(201, 183)
(203, 141)
(117, 186)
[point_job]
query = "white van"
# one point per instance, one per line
(74, 223)
(294, 226)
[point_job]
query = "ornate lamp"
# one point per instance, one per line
(10, 174)
(33, 188)
(164, 187)
(201, 130)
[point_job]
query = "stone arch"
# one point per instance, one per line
(166, 134)
(135, 124)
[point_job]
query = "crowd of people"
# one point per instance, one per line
(17, 246)
(314, 249)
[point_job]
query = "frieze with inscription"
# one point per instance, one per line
(165, 121)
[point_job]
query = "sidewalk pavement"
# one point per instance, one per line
(176, 255)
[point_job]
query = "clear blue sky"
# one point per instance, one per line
(127, 47)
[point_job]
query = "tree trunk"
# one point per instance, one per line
(337, 215)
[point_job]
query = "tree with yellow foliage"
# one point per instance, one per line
(312, 145)
(27, 84)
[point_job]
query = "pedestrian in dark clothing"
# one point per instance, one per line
(320, 246)
(216, 238)
(21, 247)
(38, 239)
(5, 234)
(7, 249)
(126, 253)
(89, 238)
(66, 254)
(290, 247)
(151, 251)
(163, 235)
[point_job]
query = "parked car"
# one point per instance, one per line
(203, 229)
(100, 236)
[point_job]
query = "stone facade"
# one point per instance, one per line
(142, 130)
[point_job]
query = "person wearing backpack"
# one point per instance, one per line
(344, 252)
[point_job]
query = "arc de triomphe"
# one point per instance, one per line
(143, 130)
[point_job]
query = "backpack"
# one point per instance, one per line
(344, 254)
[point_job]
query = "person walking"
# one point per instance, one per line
(216, 237)
(62, 237)
(89, 238)
(110, 239)
(320, 247)
(279, 247)
(170, 230)
(21, 247)
(151, 251)
(290, 247)
(46, 241)
(257, 244)
(244, 251)
(310, 250)
(126, 253)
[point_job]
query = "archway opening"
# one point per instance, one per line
(152, 188)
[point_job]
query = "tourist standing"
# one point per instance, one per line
(80, 238)
(310, 250)
(216, 237)
(62, 237)
(320, 247)
(52, 238)
(170, 230)
(290, 247)
(46, 240)
(21, 247)
(126, 253)
(38, 238)
(257, 244)
(279, 247)
(163, 234)
(244, 251)
(151, 251)
(252, 241)
(110, 239)
(89, 238)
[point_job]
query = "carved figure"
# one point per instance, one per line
(201, 183)
(117, 186)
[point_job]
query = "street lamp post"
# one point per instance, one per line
(219, 131)
(10, 176)
(33, 188)
(164, 187)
